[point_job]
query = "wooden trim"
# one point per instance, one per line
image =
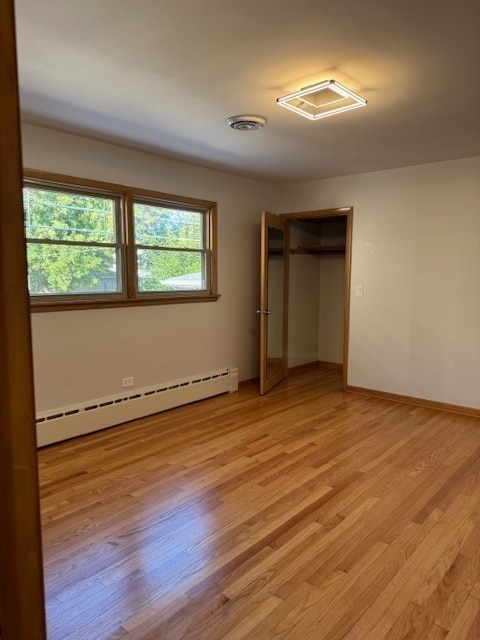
(213, 253)
(347, 298)
(324, 364)
(317, 364)
(112, 187)
(420, 402)
(129, 266)
(21, 568)
(319, 250)
(248, 383)
(263, 300)
(130, 296)
(286, 292)
(123, 302)
(302, 368)
(319, 213)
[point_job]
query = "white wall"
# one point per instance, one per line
(416, 250)
(316, 296)
(331, 308)
(82, 355)
(303, 298)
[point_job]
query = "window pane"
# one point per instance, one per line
(167, 227)
(63, 215)
(63, 269)
(170, 270)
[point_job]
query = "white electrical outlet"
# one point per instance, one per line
(127, 382)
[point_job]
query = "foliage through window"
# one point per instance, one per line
(92, 244)
(170, 248)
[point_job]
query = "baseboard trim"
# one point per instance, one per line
(248, 383)
(301, 368)
(419, 402)
(323, 364)
(317, 364)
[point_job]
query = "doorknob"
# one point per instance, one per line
(264, 312)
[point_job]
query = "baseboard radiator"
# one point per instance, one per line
(68, 422)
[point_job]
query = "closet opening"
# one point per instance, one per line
(319, 289)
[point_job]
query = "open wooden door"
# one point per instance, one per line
(273, 301)
(22, 615)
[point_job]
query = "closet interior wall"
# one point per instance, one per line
(316, 291)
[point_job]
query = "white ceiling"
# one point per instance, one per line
(163, 76)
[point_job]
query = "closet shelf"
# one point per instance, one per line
(319, 250)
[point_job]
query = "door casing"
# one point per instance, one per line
(345, 212)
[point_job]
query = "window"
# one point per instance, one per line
(95, 244)
(73, 242)
(169, 248)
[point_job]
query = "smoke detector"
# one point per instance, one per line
(246, 123)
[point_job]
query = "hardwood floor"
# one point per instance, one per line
(306, 514)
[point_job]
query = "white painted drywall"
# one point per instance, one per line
(304, 288)
(416, 251)
(331, 308)
(82, 355)
(316, 303)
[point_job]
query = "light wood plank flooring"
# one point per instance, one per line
(307, 514)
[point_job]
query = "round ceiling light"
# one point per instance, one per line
(246, 123)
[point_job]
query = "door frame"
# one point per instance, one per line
(330, 213)
(22, 611)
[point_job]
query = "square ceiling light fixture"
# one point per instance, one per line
(322, 100)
